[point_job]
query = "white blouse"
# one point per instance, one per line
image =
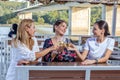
(22, 52)
(97, 50)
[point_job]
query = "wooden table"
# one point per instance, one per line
(68, 71)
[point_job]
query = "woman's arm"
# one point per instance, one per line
(108, 52)
(82, 55)
(47, 44)
(24, 56)
(106, 57)
(23, 53)
(100, 60)
(45, 51)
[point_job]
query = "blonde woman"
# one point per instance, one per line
(24, 47)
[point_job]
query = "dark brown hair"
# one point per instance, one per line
(57, 23)
(103, 25)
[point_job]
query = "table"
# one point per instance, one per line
(68, 71)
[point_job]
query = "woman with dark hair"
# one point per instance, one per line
(62, 54)
(98, 48)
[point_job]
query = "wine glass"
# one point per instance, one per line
(53, 54)
(67, 41)
(68, 44)
(60, 42)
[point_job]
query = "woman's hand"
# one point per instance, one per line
(60, 49)
(87, 61)
(26, 62)
(23, 62)
(71, 47)
(54, 47)
(53, 54)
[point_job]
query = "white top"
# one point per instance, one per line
(97, 50)
(20, 53)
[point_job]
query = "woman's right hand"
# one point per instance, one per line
(71, 47)
(55, 47)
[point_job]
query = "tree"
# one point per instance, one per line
(52, 16)
(95, 14)
(6, 9)
(1, 11)
(40, 20)
(14, 20)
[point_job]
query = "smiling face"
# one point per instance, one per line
(61, 28)
(31, 30)
(97, 31)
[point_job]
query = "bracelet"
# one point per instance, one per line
(96, 61)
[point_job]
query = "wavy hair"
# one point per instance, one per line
(22, 34)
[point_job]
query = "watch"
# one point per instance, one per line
(96, 61)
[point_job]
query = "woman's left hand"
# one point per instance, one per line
(23, 62)
(87, 61)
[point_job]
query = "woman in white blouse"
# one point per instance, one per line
(25, 47)
(98, 48)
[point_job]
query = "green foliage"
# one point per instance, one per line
(50, 17)
(64, 15)
(95, 14)
(42, 17)
(35, 17)
(6, 9)
(1, 11)
(4, 19)
(14, 20)
(40, 20)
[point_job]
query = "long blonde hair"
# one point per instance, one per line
(22, 34)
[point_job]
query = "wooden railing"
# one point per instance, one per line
(56, 75)
(74, 75)
(68, 71)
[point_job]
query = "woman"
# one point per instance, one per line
(24, 47)
(98, 48)
(61, 55)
